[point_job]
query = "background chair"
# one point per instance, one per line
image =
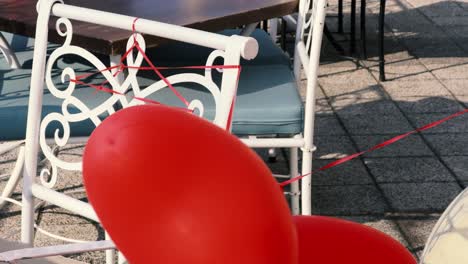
(268, 98)
(67, 112)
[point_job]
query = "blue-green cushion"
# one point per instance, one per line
(14, 94)
(268, 101)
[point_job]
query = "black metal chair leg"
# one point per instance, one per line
(363, 29)
(381, 41)
(353, 27)
(340, 16)
(283, 34)
(265, 25)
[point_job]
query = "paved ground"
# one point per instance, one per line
(401, 190)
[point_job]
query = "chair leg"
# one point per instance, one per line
(306, 183)
(14, 177)
(340, 16)
(352, 47)
(363, 29)
(381, 41)
(283, 34)
(265, 25)
(110, 253)
(294, 171)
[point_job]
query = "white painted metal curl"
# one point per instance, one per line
(49, 177)
(230, 49)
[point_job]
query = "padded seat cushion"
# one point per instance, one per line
(267, 100)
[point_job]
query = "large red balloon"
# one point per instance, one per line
(334, 241)
(170, 187)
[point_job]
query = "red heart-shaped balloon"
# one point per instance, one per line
(170, 187)
(332, 240)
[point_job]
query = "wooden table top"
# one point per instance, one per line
(19, 17)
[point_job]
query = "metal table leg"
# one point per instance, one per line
(340, 16)
(363, 29)
(381, 41)
(352, 48)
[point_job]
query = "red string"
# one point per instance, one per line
(121, 67)
(378, 146)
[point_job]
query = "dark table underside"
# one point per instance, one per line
(19, 17)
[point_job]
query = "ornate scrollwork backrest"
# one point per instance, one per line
(65, 118)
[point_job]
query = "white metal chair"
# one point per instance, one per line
(67, 112)
(268, 101)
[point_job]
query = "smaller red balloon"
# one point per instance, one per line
(334, 241)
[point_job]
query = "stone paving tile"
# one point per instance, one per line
(456, 125)
(449, 144)
(410, 146)
(452, 73)
(418, 230)
(322, 107)
(333, 147)
(443, 9)
(429, 88)
(364, 107)
(400, 75)
(10, 229)
(376, 124)
(344, 90)
(347, 200)
(463, 99)
(59, 216)
(420, 197)
(439, 104)
(387, 226)
(410, 169)
(352, 172)
(328, 125)
(457, 86)
(449, 21)
(458, 165)
(454, 57)
(354, 76)
(404, 69)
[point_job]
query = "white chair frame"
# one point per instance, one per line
(309, 31)
(9, 53)
(230, 48)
